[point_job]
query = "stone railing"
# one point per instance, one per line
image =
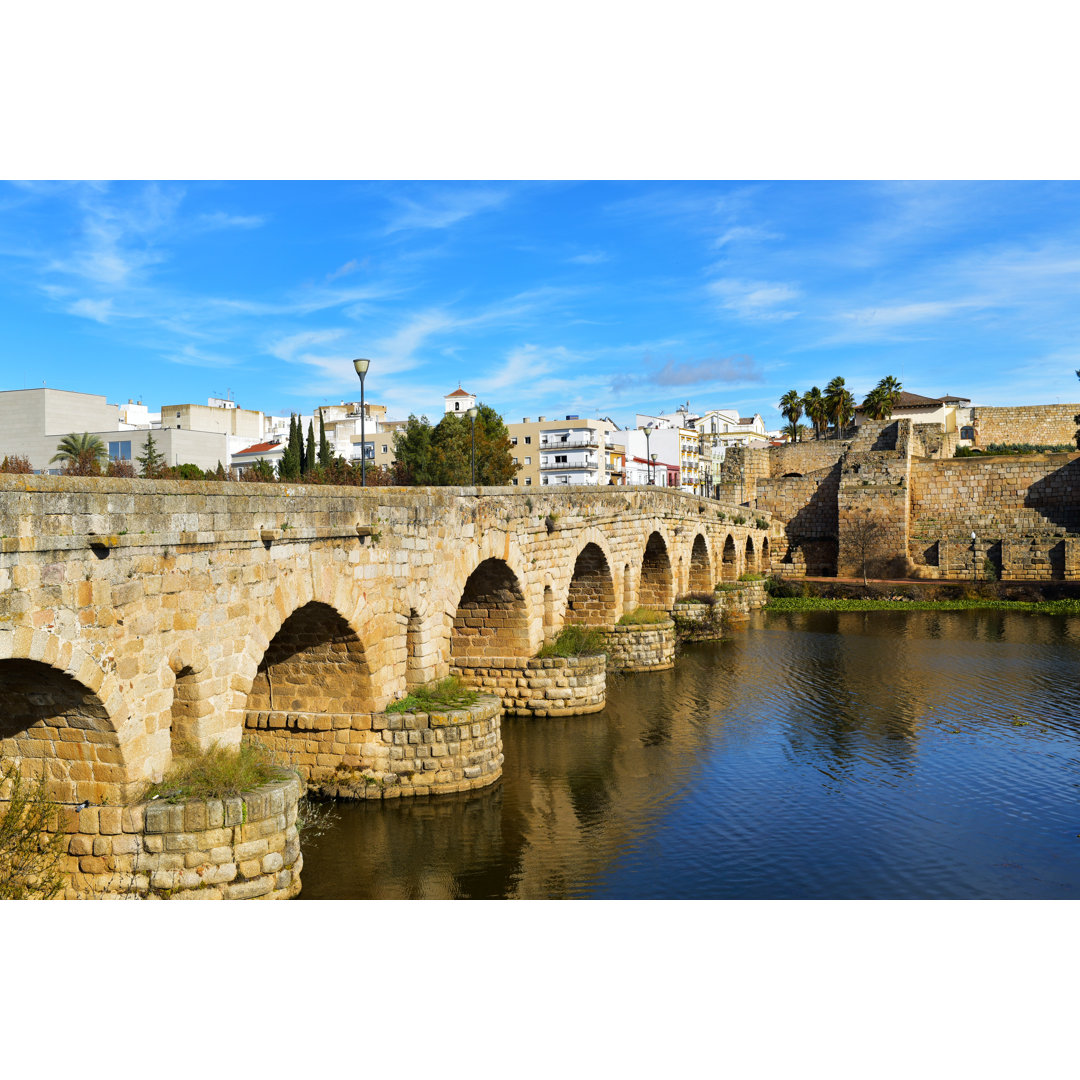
(203, 849)
(388, 755)
(552, 686)
(641, 647)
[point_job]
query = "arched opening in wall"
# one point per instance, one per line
(315, 664)
(729, 567)
(60, 730)
(549, 612)
(932, 554)
(590, 599)
(491, 617)
(627, 588)
(700, 571)
(994, 557)
(185, 711)
(766, 557)
(792, 475)
(751, 557)
(1057, 561)
(414, 653)
(657, 586)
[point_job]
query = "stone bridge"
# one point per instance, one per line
(136, 614)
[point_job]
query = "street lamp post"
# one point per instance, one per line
(472, 416)
(974, 561)
(361, 370)
(648, 433)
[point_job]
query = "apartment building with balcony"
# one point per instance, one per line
(560, 453)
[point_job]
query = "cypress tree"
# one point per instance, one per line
(309, 457)
(324, 445)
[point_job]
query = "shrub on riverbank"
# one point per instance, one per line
(574, 640)
(30, 851)
(643, 617)
(440, 696)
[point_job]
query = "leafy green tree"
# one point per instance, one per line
(187, 471)
(151, 460)
(219, 472)
(82, 455)
(309, 456)
(791, 408)
(258, 472)
(412, 451)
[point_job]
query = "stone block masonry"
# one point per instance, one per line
(642, 647)
(240, 848)
(388, 755)
(1037, 425)
(548, 686)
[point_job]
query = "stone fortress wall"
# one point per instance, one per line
(1037, 425)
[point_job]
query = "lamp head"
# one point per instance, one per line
(361, 367)
(474, 412)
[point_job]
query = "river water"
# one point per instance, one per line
(812, 756)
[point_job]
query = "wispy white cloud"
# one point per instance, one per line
(220, 220)
(589, 258)
(755, 301)
(346, 268)
(99, 310)
(444, 208)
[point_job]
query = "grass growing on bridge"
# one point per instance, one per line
(643, 616)
(436, 697)
(574, 640)
(218, 773)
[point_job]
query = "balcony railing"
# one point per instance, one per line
(575, 463)
(557, 441)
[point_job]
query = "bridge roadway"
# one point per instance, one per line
(134, 614)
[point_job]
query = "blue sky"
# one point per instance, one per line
(542, 298)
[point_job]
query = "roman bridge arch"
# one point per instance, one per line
(182, 590)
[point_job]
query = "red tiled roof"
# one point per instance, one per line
(918, 401)
(459, 393)
(259, 448)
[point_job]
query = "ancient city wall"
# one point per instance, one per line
(1039, 425)
(1024, 511)
(805, 457)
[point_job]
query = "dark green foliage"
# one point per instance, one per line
(999, 449)
(219, 472)
(81, 455)
(292, 459)
(151, 460)
(441, 456)
(187, 471)
(309, 456)
(259, 472)
(325, 456)
(823, 603)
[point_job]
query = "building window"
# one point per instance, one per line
(177, 416)
(513, 440)
(514, 460)
(528, 461)
(120, 451)
(528, 439)
(560, 459)
(457, 406)
(528, 481)
(543, 480)
(384, 448)
(513, 482)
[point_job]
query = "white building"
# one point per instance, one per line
(458, 401)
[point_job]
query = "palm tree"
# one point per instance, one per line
(814, 404)
(833, 393)
(845, 410)
(881, 401)
(82, 455)
(791, 407)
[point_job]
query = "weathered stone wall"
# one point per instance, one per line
(1039, 425)
(644, 647)
(933, 441)
(1023, 511)
(805, 457)
(697, 621)
(388, 755)
(147, 612)
(234, 849)
(549, 686)
(740, 471)
(736, 601)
